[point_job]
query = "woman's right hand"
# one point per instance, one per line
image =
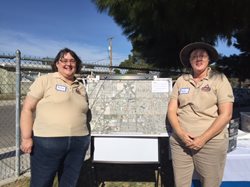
(26, 145)
(186, 138)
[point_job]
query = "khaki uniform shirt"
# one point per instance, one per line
(62, 108)
(198, 104)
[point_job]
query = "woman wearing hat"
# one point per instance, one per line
(199, 110)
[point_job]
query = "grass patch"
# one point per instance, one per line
(24, 182)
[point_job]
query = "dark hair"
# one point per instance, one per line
(61, 54)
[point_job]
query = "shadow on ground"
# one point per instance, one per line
(97, 174)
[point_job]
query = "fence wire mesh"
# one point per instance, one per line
(12, 162)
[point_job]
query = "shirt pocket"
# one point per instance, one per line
(185, 96)
(56, 95)
(204, 100)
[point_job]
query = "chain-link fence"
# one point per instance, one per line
(12, 89)
(17, 72)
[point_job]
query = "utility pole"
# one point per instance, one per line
(110, 53)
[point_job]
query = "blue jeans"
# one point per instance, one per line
(63, 156)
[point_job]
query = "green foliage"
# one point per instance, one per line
(117, 71)
(236, 66)
(136, 63)
(243, 39)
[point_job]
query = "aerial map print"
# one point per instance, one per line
(128, 106)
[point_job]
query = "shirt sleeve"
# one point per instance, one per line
(175, 90)
(224, 91)
(37, 88)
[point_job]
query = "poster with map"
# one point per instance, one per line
(128, 105)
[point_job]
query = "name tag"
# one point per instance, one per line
(61, 88)
(184, 90)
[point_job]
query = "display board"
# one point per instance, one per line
(110, 149)
(128, 104)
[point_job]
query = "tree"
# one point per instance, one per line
(243, 40)
(158, 29)
(137, 65)
(238, 66)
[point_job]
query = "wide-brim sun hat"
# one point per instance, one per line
(186, 51)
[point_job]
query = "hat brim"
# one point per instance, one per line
(185, 52)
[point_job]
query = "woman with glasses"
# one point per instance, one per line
(199, 110)
(58, 137)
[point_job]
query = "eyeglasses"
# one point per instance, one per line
(203, 57)
(65, 61)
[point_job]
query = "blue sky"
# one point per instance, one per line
(42, 28)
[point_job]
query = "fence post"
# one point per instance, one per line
(18, 97)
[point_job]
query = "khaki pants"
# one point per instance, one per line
(209, 162)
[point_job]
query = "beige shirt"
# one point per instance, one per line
(62, 108)
(198, 104)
